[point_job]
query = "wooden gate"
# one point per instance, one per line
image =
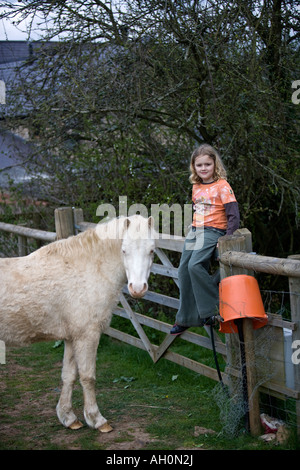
(164, 268)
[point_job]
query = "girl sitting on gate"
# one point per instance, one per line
(216, 213)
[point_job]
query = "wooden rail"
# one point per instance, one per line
(28, 232)
(23, 233)
(263, 264)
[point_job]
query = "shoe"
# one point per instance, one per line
(178, 329)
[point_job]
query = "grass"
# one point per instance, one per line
(150, 406)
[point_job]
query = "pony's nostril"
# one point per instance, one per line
(137, 291)
(131, 289)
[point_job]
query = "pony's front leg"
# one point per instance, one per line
(85, 351)
(69, 373)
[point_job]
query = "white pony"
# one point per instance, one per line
(67, 290)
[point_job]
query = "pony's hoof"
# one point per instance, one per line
(76, 425)
(105, 428)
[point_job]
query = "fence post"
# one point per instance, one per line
(22, 245)
(64, 222)
(78, 218)
(294, 287)
(242, 241)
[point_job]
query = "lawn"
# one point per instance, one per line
(150, 406)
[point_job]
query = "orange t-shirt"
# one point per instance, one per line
(209, 200)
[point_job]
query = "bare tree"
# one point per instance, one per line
(132, 86)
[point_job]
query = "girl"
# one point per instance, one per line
(216, 213)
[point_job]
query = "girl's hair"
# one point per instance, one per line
(219, 170)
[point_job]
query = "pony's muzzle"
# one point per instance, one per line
(137, 291)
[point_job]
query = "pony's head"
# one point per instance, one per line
(138, 245)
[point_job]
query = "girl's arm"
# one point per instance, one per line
(233, 217)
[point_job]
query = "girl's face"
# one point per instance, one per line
(205, 167)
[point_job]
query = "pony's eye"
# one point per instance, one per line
(123, 251)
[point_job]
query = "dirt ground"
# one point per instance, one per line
(128, 433)
(28, 419)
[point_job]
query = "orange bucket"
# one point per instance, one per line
(240, 298)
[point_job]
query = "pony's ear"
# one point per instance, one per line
(151, 222)
(124, 226)
(126, 223)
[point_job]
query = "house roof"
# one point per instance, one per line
(15, 150)
(15, 66)
(18, 51)
(15, 51)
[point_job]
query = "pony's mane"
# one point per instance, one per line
(104, 237)
(86, 242)
(111, 230)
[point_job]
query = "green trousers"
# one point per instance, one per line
(198, 289)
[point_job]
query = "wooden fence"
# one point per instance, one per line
(235, 257)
